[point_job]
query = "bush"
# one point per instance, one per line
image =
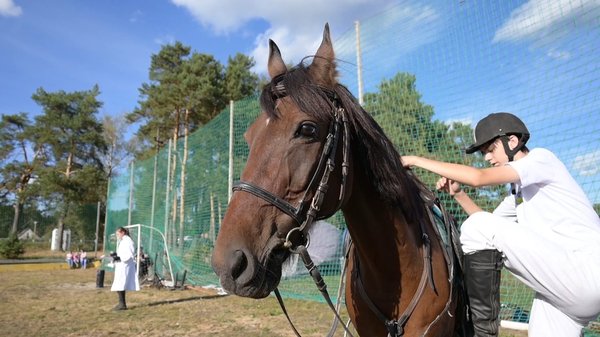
(11, 248)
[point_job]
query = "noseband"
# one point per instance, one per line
(301, 215)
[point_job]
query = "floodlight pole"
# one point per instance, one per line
(230, 174)
(359, 63)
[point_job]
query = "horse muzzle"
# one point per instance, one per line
(242, 273)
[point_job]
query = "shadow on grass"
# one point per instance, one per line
(179, 300)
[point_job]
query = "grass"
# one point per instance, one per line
(66, 303)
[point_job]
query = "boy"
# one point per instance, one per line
(546, 232)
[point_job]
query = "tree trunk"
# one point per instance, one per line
(211, 231)
(23, 182)
(219, 218)
(61, 219)
(18, 208)
(61, 227)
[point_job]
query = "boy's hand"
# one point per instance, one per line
(407, 161)
(449, 186)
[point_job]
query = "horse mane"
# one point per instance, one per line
(376, 153)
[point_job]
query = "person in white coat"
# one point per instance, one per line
(125, 267)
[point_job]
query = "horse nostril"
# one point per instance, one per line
(239, 263)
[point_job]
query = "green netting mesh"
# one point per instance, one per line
(428, 74)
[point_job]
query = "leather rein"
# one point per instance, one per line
(304, 218)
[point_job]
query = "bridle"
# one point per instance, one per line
(303, 214)
(307, 211)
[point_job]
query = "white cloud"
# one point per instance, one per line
(464, 121)
(559, 54)
(164, 40)
(587, 164)
(295, 25)
(542, 18)
(136, 16)
(8, 8)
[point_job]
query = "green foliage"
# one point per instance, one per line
(186, 90)
(239, 81)
(20, 158)
(70, 134)
(11, 248)
(119, 149)
(71, 138)
(409, 123)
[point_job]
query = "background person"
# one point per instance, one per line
(76, 260)
(125, 268)
(83, 259)
(69, 259)
(546, 232)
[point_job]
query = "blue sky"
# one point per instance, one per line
(537, 58)
(72, 45)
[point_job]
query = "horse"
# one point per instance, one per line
(314, 151)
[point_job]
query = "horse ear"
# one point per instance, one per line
(322, 70)
(276, 66)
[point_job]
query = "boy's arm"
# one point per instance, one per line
(466, 203)
(464, 174)
(454, 189)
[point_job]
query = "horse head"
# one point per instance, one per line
(294, 143)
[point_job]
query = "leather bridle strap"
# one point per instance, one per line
(269, 197)
(296, 213)
(395, 327)
(320, 283)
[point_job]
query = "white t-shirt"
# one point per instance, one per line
(552, 200)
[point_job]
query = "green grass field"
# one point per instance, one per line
(66, 303)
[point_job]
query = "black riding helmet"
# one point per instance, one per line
(499, 124)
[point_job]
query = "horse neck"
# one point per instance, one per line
(382, 234)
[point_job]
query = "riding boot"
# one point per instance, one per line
(122, 305)
(482, 278)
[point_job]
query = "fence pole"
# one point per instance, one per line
(359, 63)
(106, 213)
(230, 177)
(152, 207)
(130, 194)
(97, 229)
(168, 190)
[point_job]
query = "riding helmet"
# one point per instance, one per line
(496, 125)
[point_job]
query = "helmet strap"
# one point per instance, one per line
(510, 153)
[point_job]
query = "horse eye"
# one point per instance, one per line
(308, 130)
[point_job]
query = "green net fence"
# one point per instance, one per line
(427, 73)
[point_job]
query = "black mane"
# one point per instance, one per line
(374, 150)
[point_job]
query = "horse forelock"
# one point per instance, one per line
(296, 84)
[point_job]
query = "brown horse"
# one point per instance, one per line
(313, 151)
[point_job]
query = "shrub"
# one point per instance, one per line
(11, 248)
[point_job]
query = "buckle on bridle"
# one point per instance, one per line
(304, 237)
(394, 329)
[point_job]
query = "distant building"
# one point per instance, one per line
(28, 234)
